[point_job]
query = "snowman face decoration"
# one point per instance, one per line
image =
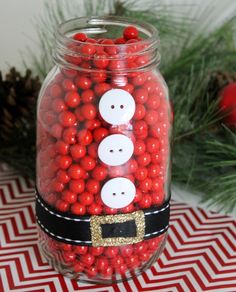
(115, 149)
(117, 106)
(118, 192)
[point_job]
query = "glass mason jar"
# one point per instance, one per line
(103, 151)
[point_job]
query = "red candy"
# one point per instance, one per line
(78, 209)
(63, 161)
(58, 105)
(93, 186)
(140, 95)
(80, 37)
(70, 130)
(85, 137)
(69, 135)
(83, 82)
(62, 206)
(130, 32)
(88, 96)
(100, 60)
(77, 151)
(99, 173)
(68, 85)
(67, 119)
(77, 185)
(75, 171)
(86, 198)
(89, 111)
(99, 134)
(72, 99)
(88, 163)
(69, 197)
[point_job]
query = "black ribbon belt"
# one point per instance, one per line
(105, 230)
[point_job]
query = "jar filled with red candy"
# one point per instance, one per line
(103, 151)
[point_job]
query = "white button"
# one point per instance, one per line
(118, 192)
(117, 106)
(115, 149)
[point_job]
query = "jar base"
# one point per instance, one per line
(66, 271)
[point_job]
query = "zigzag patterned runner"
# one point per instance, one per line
(200, 254)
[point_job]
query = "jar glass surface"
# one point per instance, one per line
(104, 125)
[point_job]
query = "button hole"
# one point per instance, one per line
(120, 150)
(122, 106)
(122, 193)
(112, 106)
(114, 194)
(111, 151)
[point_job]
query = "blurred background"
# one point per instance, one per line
(18, 19)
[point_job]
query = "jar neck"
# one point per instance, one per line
(139, 54)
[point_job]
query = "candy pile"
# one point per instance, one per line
(102, 262)
(103, 144)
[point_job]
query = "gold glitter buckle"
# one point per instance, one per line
(96, 229)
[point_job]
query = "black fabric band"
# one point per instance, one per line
(69, 228)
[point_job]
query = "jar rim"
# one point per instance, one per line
(79, 24)
(67, 46)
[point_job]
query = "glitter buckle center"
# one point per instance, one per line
(96, 223)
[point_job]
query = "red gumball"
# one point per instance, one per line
(77, 186)
(75, 171)
(92, 124)
(94, 209)
(153, 145)
(99, 134)
(140, 112)
(58, 105)
(83, 82)
(78, 209)
(93, 186)
(139, 147)
(96, 251)
(141, 173)
(89, 111)
(56, 90)
(80, 249)
(99, 173)
(130, 32)
(93, 150)
(88, 96)
(62, 206)
(101, 60)
(144, 159)
(145, 185)
(69, 135)
(145, 202)
(81, 37)
(86, 198)
(140, 95)
(77, 151)
(63, 161)
(72, 99)
(61, 147)
(69, 196)
(92, 272)
(67, 119)
(88, 163)
(85, 137)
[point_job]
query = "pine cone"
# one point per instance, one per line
(218, 81)
(18, 95)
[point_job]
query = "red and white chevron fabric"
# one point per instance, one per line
(200, 254)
